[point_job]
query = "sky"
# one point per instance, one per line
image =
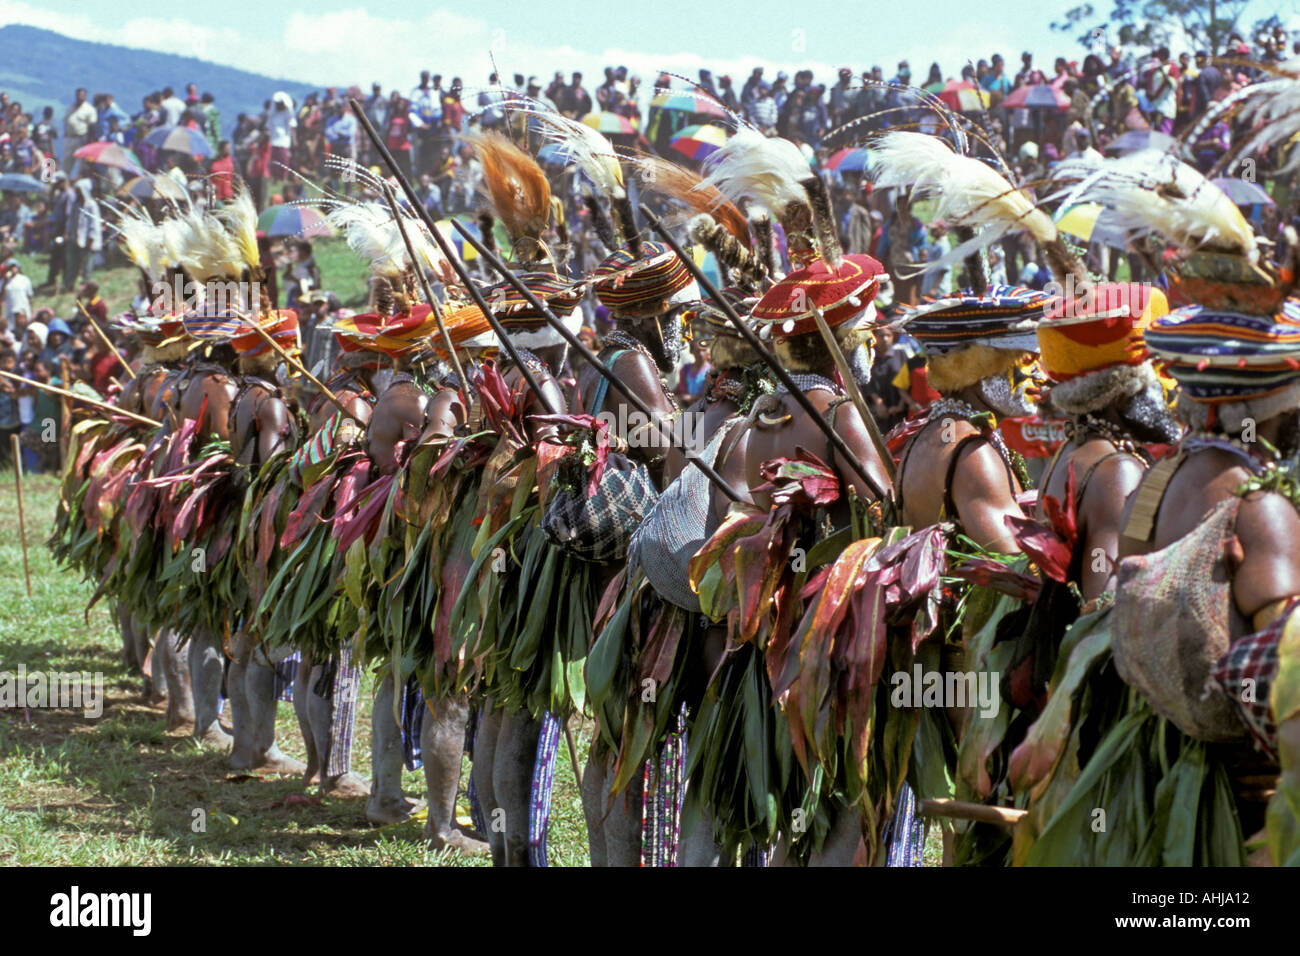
(390, 41)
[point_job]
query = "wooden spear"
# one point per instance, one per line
(428, 294)
(855, 393)
(102, 406)
(294, 364)
(22, 515)
(104, 338)
(796, 393)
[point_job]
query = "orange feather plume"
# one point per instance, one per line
(675, 182)
(516, 185)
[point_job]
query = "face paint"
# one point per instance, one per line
(1149, 418)
(1013, 395)
(860, 361)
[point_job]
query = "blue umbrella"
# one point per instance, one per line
(179, 139)
(20, 183)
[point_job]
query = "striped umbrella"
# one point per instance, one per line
(152, 187)
(1243, 193)
(689, 103)
(465, 250)
(179, 139)
(699, 142)
(964, 97)
(851, 159)
(111, 154)
(1088, 221)
(302, 221)
(611, 124)
(1039, 96)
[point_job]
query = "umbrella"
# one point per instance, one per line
(466, 250)
(689, 103)
(301, 221)
(1243, 193)
(964, 97)
(110, 154)
(851, 159)
(610, 123)
(1088, 221)
(20, 183)
(699, 142)
(1137, 140)
(179, 139)
(152, 187)
(554, 154)
(1039, 96)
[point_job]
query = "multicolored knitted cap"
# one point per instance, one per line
(788, 309)
(524, 324)
(1219, 357)
(1005, 317)
(1098, 331)
(393, 335)
(625, 282)
(280, 324)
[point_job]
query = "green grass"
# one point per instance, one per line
(118, 790)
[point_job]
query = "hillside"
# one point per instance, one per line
(41, 67)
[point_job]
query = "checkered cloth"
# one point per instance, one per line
(1246, 674)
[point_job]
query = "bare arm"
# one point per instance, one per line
(1101, 521)
(849, 426)
(984, 498)
(1269, 570)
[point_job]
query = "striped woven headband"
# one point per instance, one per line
(1006, 317)
(514, 311)
(623, 279)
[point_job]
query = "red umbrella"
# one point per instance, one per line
(963, 97)
(1039, 96)
(110, 154)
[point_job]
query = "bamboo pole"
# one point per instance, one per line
(104, 338)
(297, 366)
(855, 393)
(796, 393)
(65, 412)
(93, 403)
(978, 812)
(428, 294)
(22, 514)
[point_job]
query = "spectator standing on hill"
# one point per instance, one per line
(171, 107)
(78, 124)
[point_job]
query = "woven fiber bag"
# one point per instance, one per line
(1174, 619)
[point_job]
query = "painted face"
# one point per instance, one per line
(1015, 394)
(860, 361)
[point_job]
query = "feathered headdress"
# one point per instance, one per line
(716, 224)
(1151, 192)
(772, 173)
(967, 193)
(518, 191)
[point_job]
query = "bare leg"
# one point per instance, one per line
(242, 752)
(482, 770)
(301, 709)
(173, 662)
(512, 777)
(623, 821)
(259, 684)
(206, 666)
(387, 803)
(442, 742)
(593, 807)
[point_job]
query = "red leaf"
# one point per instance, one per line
(1043, 545)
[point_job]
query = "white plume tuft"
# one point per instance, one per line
(1152, 192)
(768, 171)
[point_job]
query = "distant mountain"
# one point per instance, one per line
(42, 68)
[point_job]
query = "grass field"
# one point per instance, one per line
(118, 790)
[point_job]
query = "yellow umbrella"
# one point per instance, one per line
(1080, 219)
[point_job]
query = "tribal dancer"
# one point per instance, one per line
(1207, 533)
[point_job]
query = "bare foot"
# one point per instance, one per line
(276, 762)
(346, 786)
(217, 737)
(382, 814)
(457, 841)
